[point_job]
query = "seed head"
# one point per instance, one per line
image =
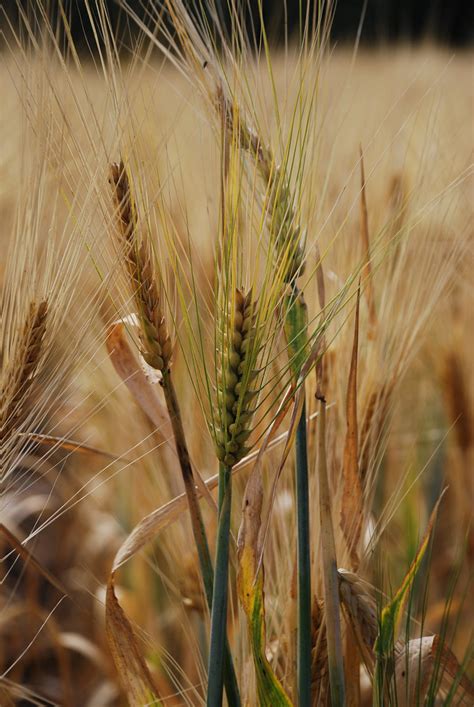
(156, 343)
(234, 392)
(361, 611)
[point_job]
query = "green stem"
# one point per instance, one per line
(219, 598)
(330, 580)
(198, 528)
(304, 564)
(296, 328)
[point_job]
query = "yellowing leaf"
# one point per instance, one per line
(392, 613)
(250, 584)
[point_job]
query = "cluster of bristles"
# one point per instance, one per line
(18, 378)
(19, 375)
(234, 391)
(156, 343)
(289, 237)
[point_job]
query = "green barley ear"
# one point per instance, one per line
(156, 346)
(235, 392)
(237, 356)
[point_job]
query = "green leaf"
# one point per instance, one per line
(296, 330)
(393, 611)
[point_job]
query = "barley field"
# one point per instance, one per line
(236, 439)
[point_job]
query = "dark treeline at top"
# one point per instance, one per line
(446, 21)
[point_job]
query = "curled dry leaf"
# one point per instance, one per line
(130, 372)
(167, 514)
(425, 666)
(132, 669)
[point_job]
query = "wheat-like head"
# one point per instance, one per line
(361, 612)
(155, 340)
(235, 393)
(21, 372)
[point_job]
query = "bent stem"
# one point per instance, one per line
(219, 598)
(199, 532)
(330, 578)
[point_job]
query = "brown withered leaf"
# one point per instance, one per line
(132, 669)
(144, 394)
(425, 666)
(130, 371)
(367, 270)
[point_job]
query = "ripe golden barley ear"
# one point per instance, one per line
(156, 346)
(360, 610)
(372, 426)
(235, 394)
(191, 586)
(22, 370)
(455, 388)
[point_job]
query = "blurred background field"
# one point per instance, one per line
(410, 108)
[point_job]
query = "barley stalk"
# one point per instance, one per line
(288, 242)
(235, 396)
(304, 560)
(331, 594)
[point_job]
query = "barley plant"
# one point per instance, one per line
(236, 418)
